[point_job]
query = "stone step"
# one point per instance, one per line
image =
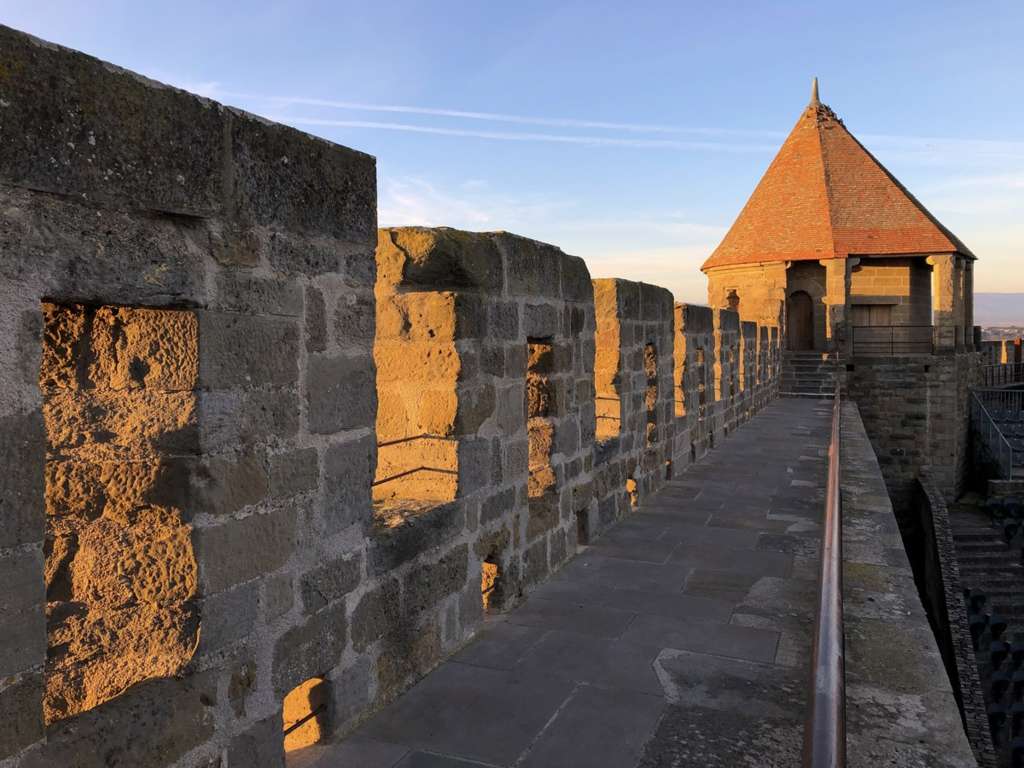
(807, 377)
(974, 533)
(993, 544)
(996, 558)
(808, 395)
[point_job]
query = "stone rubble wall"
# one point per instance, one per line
(301, 512)
(637, 459)
(943, 595)
(727, 411)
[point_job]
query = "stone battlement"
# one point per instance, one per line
(265, 465)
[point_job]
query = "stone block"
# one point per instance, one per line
(330, 582)
(220, 485)
(21, 711)
(242, 549)
(156, 722)
(241, 291)
(240, 351)
(350, 691)
(241, 683)
(474, 465)
(407, 655)
(377, 614)
(294, 472)
(22, 454)
(241, 419)
(535, 561)
(533, 268)
(503, 321)
(390, 547)
(493, 544)
(79, 127)
(120, 425)
(470, 316)
(428, 584)
(541, 320)
(497, 505)
(278, 596)
(355, 321)
(440, 259)
(22, 600)
(476, 406)
(348, 475)
(341, 393)
(228, 616)
(316, 320)
(511, 410)
(261, 745)
(291, 181)
(311, 649)
(293, 254)
(576, 285)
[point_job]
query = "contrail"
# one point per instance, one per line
(595, 141)
(500, 117)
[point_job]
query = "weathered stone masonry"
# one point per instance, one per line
(264, 465)
(634, 392)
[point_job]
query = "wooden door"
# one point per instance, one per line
(800, 321)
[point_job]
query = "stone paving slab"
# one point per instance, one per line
(679, 638)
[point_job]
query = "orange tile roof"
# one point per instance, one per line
(826, 197)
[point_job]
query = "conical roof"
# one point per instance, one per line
(826, 197)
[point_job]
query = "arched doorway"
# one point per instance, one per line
(800, 321)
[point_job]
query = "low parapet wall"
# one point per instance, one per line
(940, 585)
(900, 705)
(265, 466)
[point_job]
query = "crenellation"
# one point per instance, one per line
(268, 466)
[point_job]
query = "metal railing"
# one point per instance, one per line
(889, 340)
(1003, 404)
(825, 729)
(992, 438)
(1002, 374)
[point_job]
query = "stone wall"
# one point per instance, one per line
(726, 411)
(756, 291)
(633, 374)
(937, 574)
(181, 478)
(265, 466)
(694, 376)
(902, 286)
(915, 410)
(894, 668)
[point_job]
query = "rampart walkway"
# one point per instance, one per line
(679, 638)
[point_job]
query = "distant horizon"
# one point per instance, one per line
(1007, 309)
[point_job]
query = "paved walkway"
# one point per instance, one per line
(680, 638)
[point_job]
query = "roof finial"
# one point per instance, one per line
(814, 91)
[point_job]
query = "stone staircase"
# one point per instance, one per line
(809, 374)
(992, 574)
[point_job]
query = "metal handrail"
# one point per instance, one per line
(825, 730)
(890, 340)
(1002, 374)
(992, 437)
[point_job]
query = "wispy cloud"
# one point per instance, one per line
(498, 117)
(411, 200)
(556, 138)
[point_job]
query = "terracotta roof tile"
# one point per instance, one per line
(826, 197)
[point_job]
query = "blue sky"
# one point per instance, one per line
(627, 133)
